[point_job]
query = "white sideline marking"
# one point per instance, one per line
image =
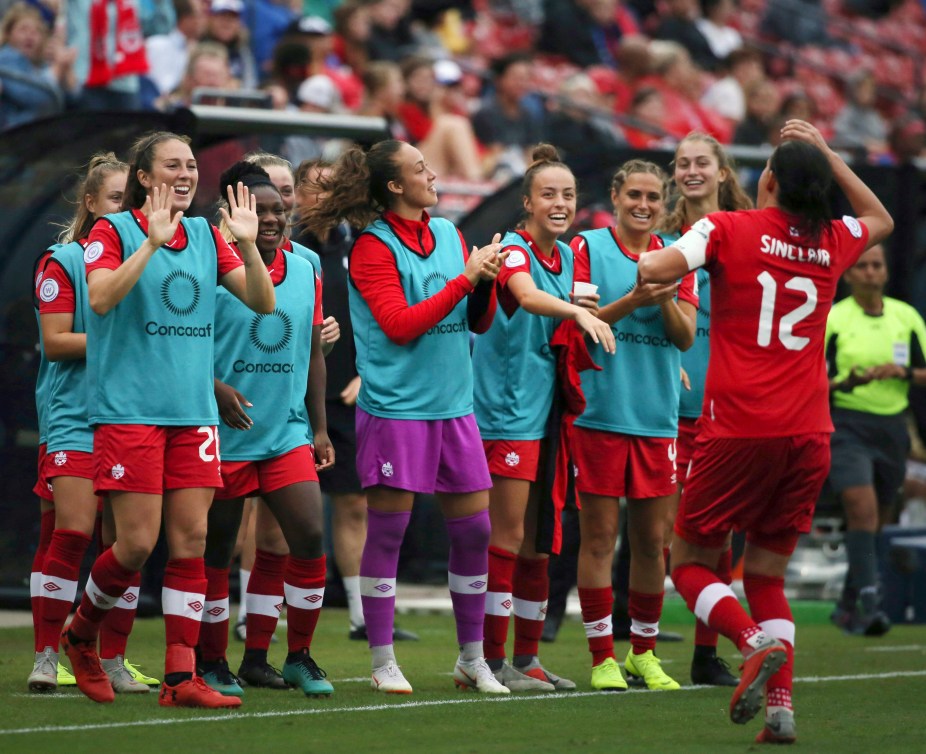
(472, 699)
(903, 648)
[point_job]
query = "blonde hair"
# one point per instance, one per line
(18, 12)
(100, 167)
(632, 167)
(269, 160)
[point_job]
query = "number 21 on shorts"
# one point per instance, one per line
(212, 438)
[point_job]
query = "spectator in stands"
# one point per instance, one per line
(800, 22)
(351, 34)
(727, 96)
(714, 25)
(504, 125)
(317, 94)
(168, 54)
(647, 127)
(580, 125)
(29, 87)
(391, 36)
(111, 55)
(585, 32)
(267, 20)
(798, 105)
(762, 105)
(290, 69)
(679, 81)
(208, 68)
(859, 125)
(680, 25)
(907, 140)
(445, 139)
(383, 92)
(225, 27)
(318, 37)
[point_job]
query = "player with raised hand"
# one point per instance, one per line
(152, 276)
(762, 453)
(264, 364)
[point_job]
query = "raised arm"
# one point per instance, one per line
(867, 207)
(252, 285)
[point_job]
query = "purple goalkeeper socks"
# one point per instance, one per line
(378, 567)
(469, 573)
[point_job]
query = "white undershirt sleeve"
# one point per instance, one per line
(693, 244)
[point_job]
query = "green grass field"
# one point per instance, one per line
(852, 695)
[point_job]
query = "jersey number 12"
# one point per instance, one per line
(786, 325)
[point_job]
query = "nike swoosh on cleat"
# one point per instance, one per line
(463, 672)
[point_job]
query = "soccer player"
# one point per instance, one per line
(874, 350)
(415, 294)
(263, 365)
(341, 483)
(762, 452)
(68, 467)
(264, 552)
(706, 181)
(152, 277)
(515, 375)
(623, 444)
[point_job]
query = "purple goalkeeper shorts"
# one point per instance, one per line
(428, 456)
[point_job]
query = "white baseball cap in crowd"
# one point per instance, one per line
(318, 90)
(226, 6)
(447, 72)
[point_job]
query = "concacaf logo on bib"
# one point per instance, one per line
(93, 252)
(515, 259)
(854, 226)
(49, 291)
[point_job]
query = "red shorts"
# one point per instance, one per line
(42, 486)
(69, 463)
(615, 465)
(514, 459)
(767, 487)
(147, 459)
(687, 432)
(249, 478)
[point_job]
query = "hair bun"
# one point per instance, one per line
(242, 172)
(544, 153)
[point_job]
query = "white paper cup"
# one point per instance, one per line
(584, 289)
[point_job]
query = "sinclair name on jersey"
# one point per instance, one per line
(778, 248)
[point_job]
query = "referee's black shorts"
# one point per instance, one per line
(869, 449)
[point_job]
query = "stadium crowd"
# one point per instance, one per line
(474, 84)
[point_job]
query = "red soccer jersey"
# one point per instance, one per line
(771, 291)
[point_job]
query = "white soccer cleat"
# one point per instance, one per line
(44, 675)
(389, 680)
(122, 680)
(515, 680)
(476, 674)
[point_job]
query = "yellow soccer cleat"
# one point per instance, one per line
(606, 676)
(65, 676)
(137, 675)
(646, 670)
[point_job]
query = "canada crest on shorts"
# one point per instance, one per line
(118, 471)
(61, 458)
(387, 469)
(512, 459)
